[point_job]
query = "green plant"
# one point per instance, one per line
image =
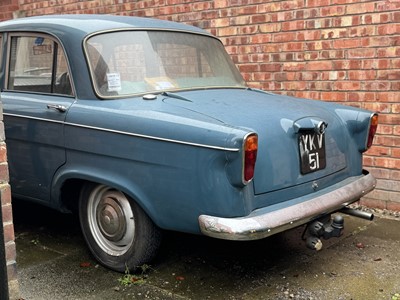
(145, 268)
(129, 278)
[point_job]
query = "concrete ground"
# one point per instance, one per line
(364, 263)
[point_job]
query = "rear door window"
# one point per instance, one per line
(38, 65)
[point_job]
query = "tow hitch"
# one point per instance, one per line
(327, 228)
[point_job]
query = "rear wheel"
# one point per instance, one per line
(118, 232)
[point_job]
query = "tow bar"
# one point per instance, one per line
(327, 228)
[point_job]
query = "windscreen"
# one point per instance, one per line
(126, 63)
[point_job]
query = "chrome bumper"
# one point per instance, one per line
(270, 220)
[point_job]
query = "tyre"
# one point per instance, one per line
(118, 232)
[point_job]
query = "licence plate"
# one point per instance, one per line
(312, 152)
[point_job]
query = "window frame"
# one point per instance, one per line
(103, 96)
(58, 47)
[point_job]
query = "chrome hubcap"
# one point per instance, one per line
(111, 220)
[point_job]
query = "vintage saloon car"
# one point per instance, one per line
(144, 125)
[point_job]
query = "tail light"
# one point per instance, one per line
(372, 129)
(250, 147)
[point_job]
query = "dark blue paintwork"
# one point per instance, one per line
(177, 158)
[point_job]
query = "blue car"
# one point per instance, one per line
(143, 125)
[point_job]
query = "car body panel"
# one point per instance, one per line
(278, 137)
(33, 128)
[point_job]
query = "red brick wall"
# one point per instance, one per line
(7, 7)
(7, 216)
(8, 227)
(334, 50)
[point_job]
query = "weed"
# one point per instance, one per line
(129, 278)
(145, 268)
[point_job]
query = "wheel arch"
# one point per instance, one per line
(68, 183)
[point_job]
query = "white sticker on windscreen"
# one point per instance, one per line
(164, 85)
(113, 82)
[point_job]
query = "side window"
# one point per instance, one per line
(38, 64)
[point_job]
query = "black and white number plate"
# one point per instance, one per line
(312, 151)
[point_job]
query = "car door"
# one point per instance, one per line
(36, 95)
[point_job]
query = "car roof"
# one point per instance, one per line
(82, 25)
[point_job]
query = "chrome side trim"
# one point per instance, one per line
(126, 133)
(263, 222)
(153, 137)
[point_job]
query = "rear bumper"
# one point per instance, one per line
(270, 220)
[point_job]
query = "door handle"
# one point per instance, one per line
(60, 108)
